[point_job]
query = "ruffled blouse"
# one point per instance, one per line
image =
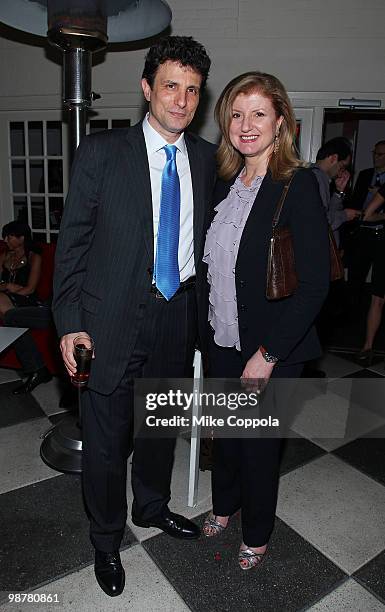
(220, 254)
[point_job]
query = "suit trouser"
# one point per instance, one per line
(246, 470)
(164, 348)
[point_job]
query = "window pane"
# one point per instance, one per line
(36, 176)
(20, 209)
(19, 184)
(55, 212)
(53, 237)
(121, 123)
(39, 237)
(35, 137)
(97, 125)
(17, 138)
(55, 176)
(38, 213)
(54, 138)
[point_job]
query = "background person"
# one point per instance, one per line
(372, 215)
(332, 161)
(370, 180)
(363, 244)
(20, 268)
(252, 337)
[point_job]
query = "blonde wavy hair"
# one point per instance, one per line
(281, 163)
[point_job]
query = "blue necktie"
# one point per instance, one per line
(166, 272)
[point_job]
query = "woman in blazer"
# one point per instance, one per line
(252, 337)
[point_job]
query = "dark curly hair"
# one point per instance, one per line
(182, 49)
(339, 146)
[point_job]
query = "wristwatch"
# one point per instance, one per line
(340, 194)
(268, 356)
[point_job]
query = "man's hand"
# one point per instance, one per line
(67, 351)
(342, 180)
(352, 213)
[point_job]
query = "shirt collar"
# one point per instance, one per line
(155, 142)
(322, 172)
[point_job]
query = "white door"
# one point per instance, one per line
(304, 118)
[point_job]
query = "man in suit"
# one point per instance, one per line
(370, 179)
(128, 254)
(364, 242)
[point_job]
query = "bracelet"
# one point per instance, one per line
(267, 356)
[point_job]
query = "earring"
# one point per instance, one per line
(276, 144)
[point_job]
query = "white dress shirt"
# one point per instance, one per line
(157, 160)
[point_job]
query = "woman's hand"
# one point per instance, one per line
(376, 203)
(13, 288)
(257, 369)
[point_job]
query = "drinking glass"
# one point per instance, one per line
(83, 351)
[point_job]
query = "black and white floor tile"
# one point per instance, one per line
(327, 552)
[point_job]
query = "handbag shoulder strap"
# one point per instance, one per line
(280, 204)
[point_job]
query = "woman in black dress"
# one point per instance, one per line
(20, 268)
(375, 214)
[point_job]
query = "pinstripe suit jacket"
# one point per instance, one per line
(104, 254)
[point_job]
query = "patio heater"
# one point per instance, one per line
(80, 28)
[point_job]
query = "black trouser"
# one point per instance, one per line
(246, 470)
(164, 349)
(33, 317)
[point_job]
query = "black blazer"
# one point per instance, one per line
(360, 191)
(104, 255)
(284, 327)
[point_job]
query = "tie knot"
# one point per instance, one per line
(170, 152)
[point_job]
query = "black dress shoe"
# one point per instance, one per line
(109, 572)
(174, 525)
(36, 378)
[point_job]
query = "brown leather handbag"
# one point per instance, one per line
(281, 276)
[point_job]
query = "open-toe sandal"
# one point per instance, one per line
(248, 558)
(211, 527)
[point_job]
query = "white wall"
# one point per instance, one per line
(312, 45)
(322, 50)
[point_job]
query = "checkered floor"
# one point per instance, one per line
(327, 551)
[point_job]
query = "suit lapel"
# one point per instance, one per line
(140, 183)
(199, 201)
(263, 208)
